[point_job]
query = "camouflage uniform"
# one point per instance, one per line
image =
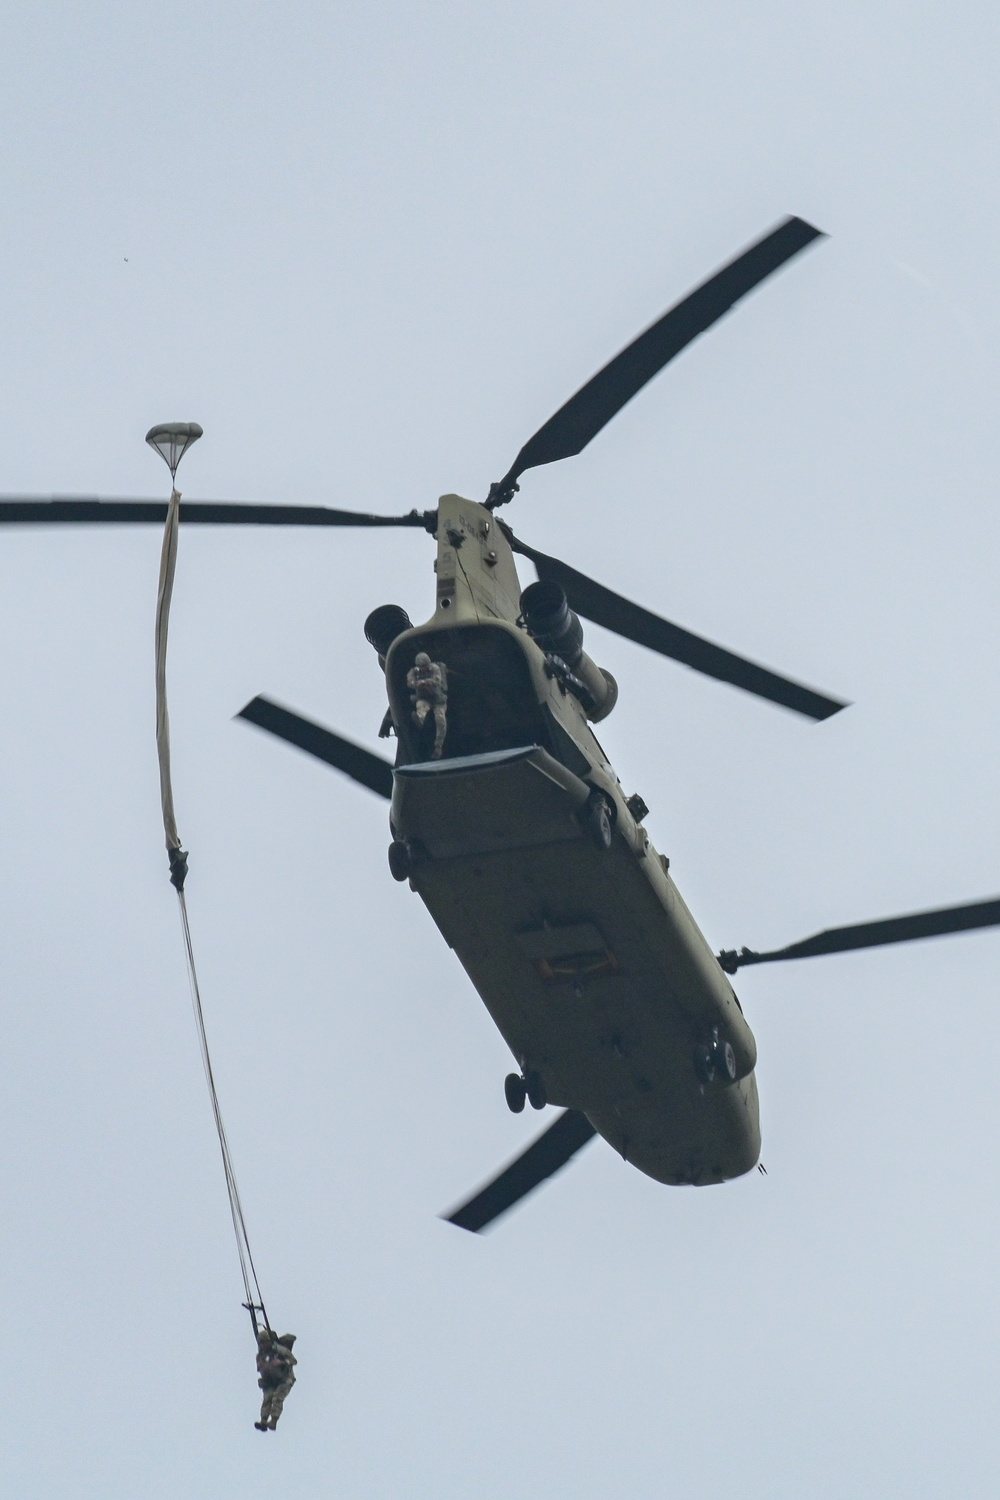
(276, 1375)
(428, 684)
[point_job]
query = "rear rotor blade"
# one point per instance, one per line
(604, 607)
(22, 510)
(921, 924)
(573, 425)
(354, 760)
(544, 1157)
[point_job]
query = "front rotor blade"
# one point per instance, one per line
(583, 416)
(604, 607)
(542, 1159)
(354, 760)
(21, 510)
(921, 924)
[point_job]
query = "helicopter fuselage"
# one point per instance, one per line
(581, 948)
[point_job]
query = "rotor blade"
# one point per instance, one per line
(921, 924)
(600, 604)
(545, 1156)
(22, 510)
(584, 414)
(354, 760)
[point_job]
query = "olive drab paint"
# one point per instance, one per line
(586, 957)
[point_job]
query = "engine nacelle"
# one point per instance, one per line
(557, 630)
(382, 627)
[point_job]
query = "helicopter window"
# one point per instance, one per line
(491, 703)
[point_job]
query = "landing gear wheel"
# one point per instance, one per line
(715, 1061)
(598, 820)
(704, 1064)
(535, 1090)
(514, 1092)
(400, 860)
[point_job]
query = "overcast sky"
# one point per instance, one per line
(371, 248)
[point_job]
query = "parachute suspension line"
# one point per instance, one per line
(177, 858)
(251, 1286)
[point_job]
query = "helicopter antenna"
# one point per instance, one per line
(171, 440)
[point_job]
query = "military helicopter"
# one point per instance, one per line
(509, 822)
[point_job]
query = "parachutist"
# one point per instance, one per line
(276, 1375)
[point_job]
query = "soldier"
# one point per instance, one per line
(428, 684)
(276, 1375)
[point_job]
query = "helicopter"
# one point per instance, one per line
(509, 822)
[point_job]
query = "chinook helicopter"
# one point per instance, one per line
(508, 821)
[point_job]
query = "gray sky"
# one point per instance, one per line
(371, 249)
